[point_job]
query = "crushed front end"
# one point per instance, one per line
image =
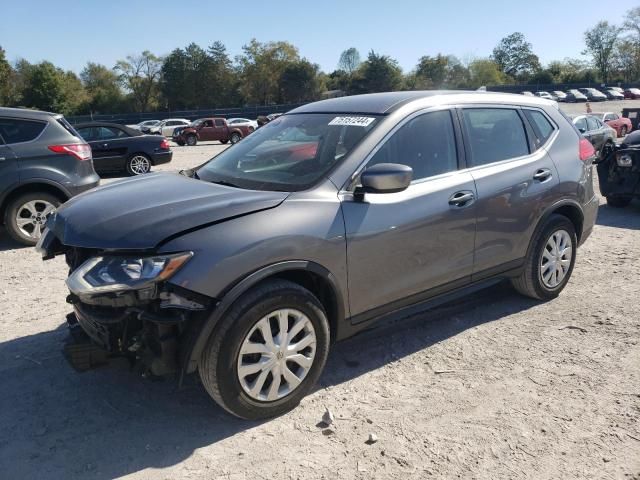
(123, 306)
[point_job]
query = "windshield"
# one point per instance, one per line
(291, 153)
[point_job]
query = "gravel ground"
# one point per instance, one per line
(495, 386)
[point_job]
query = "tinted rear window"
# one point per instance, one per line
(14, 130)
(494, 134)
(542, 127)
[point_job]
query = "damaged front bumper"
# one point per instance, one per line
(123, 306)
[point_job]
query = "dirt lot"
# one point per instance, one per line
(496, 386)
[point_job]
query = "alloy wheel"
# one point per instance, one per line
(31, 217)
(276, 355)
(139, 165)
(556, 259)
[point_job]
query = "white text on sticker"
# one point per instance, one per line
(352, 121)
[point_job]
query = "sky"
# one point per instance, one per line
(71, 33)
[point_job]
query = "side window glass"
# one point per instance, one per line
(541, 125)
(495, 134)
(208, 123)
(219, 123)
(85, 133)
(426, 143)
(581, 124)
(17, 131)
(592, 124)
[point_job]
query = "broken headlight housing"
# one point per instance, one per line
(111, 274)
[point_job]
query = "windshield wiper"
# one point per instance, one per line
(225, 183)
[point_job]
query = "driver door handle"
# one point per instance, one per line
(542, 174)
(461, 199)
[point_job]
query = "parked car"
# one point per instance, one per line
(117, 148)
(236, 122)
(574, 96)
(621, 125)
(559, 96)
(546, 95)
(601, 136)
(146, 124)
(616, 89)
(43, 163)
(593, 95)
(166, 127)
(238, 268)
(619, 172)
(211, 129)
(527, 93)
(613, 94)
(632, 93)
(273, 116)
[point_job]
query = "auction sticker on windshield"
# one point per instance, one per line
(352, 121)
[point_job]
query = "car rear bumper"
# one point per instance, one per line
(590, 212)
(87, 183)
(161, 157)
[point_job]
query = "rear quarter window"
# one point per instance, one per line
(15, 130)
(541, 125)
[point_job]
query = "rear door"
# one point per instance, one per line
(9, 175)
(221, 130)
(513, 175)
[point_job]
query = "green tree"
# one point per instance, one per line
(431, 72)
(103, 91)
(261, 67)
(349, 60)
(485, 72)
(379, 73)
(300, 82)
(514, 57)
(5, 78)
(44, 88)
(600, 42)
(140, 75)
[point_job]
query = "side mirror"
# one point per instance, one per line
(385, 178)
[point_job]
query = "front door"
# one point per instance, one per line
(402, 247)
(207, 131)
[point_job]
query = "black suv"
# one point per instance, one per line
(43, 163)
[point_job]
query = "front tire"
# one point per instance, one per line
(26, 215)
(254, 370)
(192, 140)
(138, 164)
(235, 138)
(550, 260)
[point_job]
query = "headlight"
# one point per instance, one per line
(118, 273)
(624, 160)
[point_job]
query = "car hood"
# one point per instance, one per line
(139, 213)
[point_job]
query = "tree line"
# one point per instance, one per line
(268, 73)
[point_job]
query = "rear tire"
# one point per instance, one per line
(138, 164)
(618, 202)
(541, 259)
(26, 214)
(220, 366)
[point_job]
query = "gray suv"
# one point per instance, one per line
(43, 162)
(328, 218)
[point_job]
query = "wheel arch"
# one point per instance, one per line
(567, 208)
(31, 187)
(310, 275)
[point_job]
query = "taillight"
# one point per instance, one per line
(586, 149)
(81, 151)
(164, 144)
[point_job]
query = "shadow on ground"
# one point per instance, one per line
(628, 217)
(7, 243)
(109, 422)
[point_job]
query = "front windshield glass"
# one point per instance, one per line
(290, 153)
